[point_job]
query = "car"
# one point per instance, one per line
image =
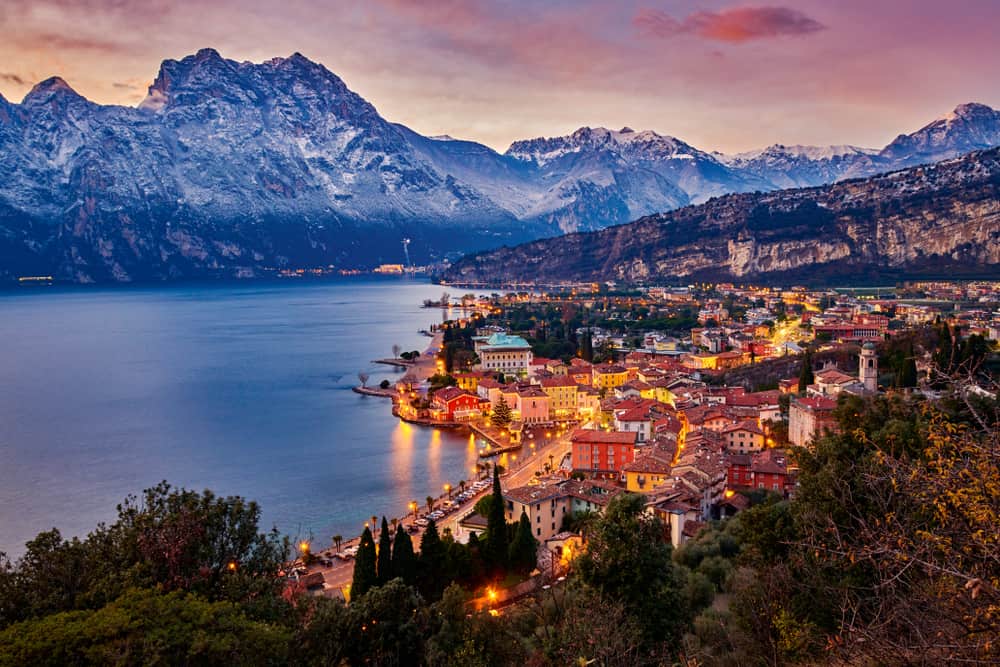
(421, 521)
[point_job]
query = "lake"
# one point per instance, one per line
(240, 388)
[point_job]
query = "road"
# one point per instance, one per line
(521, 468)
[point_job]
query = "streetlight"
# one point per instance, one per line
(447, 489)
(413, 508)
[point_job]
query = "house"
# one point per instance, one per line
(809, 417)
(581, 371)
(651, 467)
(609, 376)
(503, 353)
(548, 504)
(602, 453)
(588, 402)
(561, 391)
(532, 405)
(454, 404)
(743, 437)
(830, 381)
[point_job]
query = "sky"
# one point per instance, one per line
(720, 75)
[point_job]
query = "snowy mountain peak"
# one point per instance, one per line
(45, 90)
(970, 110)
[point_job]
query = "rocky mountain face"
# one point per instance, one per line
(938, 219)
(232, 169)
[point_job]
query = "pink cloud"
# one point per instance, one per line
(735, 25)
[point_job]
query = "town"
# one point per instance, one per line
(692, 397)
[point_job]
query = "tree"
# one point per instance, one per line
(523, 554)
(806, 376)
(147, 627)
(502, 415)
(496, 528)
(587, 346)
(365, 569)
(337, 541)
(908, 372)
(404, 561)
(432, 562)
(384, 563)
(364, 379)
(386, 627)
(430, 503)
(628, 562)
(395, 351)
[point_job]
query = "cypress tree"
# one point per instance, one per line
(432, 562)
(806, 376)
(365, 577)
(404, 561)
(384, 569)
(524, 547)
(496, 527)
(908, 373)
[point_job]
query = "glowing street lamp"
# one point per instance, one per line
(413, 508)
(447, 489)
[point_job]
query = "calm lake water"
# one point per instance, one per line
(243, 389)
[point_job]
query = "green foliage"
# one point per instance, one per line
(170, 538)
(365, 568)
(496, 528)
(502, 414)
(404, 560)
(384, 561)
(147, 627)
(524, 547)
(806, 376)
(433, 561)
(628, 562)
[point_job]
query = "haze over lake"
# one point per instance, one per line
(243, 389)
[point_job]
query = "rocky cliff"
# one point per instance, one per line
(935, 220)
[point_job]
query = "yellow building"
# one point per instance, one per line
(609, 377)
(562, 397)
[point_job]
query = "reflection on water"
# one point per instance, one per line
(243, 389)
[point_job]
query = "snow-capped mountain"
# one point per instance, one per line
(968, 128)
(230, 168)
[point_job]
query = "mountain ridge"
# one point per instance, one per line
(923, 219)
(233, 168)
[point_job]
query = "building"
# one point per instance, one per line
(766, 470)
(561, 391)
(454, 403)
(809, 417)
(609, 376)
(503, 353)
(532, 405)
(547, 505)
(651, 468)
(868, 367)
(743, 437)
(602, 453)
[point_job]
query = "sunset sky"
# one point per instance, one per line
(720, 75)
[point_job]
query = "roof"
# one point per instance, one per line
(604, 437)
(816, 403)
(609, 369)
(529, 495)
(744, 426)
(557, 381)
(449, 394)
(834, 376)
(502, 341)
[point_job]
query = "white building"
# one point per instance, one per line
(503, 353)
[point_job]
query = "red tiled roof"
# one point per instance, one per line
(604, 437)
